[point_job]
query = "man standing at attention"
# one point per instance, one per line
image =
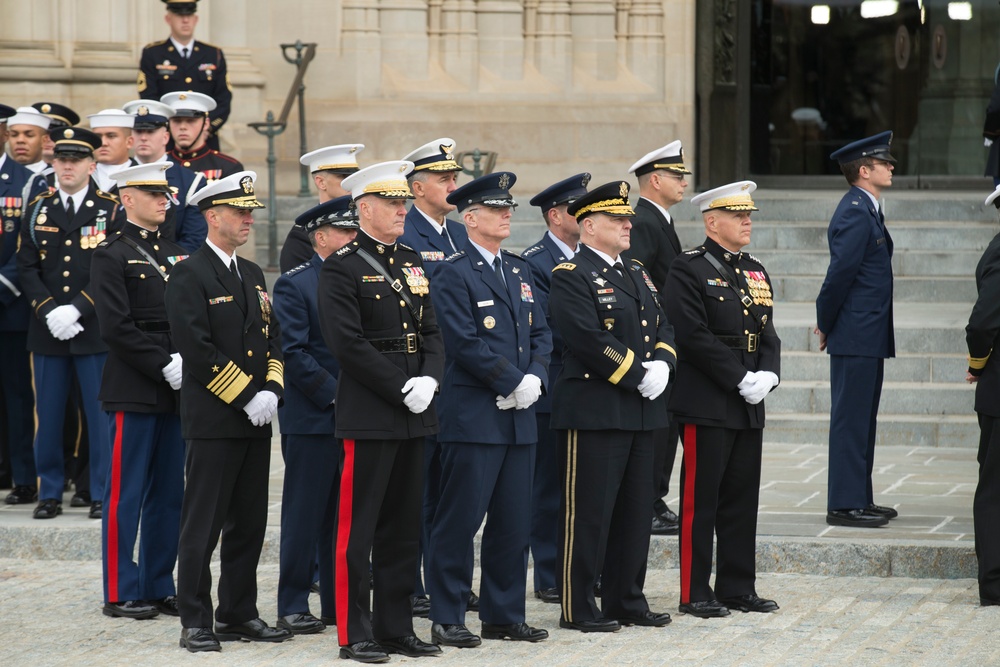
(854, 323)
(224, 327)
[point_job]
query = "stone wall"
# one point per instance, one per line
(554, 86)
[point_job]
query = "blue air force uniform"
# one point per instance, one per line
(495, 334)
(146, 470)
(15, 379)
(431, 245)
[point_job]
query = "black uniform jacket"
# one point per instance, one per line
(654, 241)
(610, 324)
(129, 298)
(702, 306)
(54, 264)
(208, 162)
(982, 330)
(162, 70)
(229, 340)
(357, 305)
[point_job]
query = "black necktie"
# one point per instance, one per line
(232, 269)
(70, 209)
(620, 268)
(447, 239)
(498, 268)
(184, 52)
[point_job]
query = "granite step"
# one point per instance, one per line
(936, 368)
(905, 398)
(957, 430)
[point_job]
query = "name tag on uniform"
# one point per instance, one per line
(46, 229)
(484, 304)
(138, 261)
(219, 299)
(610, 298)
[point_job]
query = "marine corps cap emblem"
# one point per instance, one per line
(142, 111)
(46, 108)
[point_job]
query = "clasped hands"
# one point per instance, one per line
(756, 385)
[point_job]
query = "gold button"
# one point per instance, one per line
(721, 298)
(187, 79)
(66, 258)
(586, 376)
(65, 274)
(737, 270)
(264, 331)
(742, 291)
(404, 325)
(390, 260)
(746, 331)
(609, 307)
(649, 354)
(165, 77)
(44, 242)
(644, 323)
(163, 268)
(647, 339)
(156, 247)
(66, 288)
(378, 296)
(142, 275)
(249, 353)
(268, 355)
(69, 242)
(187, 164)
(746, 312)
(250, 376)
(402, 303)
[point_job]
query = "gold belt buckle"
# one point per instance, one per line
(752, 342)
(411, 343)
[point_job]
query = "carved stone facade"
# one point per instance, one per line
(554, 86)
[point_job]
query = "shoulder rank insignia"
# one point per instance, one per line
(453, 257)
(405, 247)
(345, 250)
(296, 269)
(567, 266)
(638, 262)
(695, 251)
(746, 254)
(532, 250)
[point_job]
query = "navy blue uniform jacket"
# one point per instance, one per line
(494, 336)
(854, 306)
(14, 311)
(542, 258)
(432, 247)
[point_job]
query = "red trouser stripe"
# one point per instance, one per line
(112, 509)
(687, 511)
(343, 537)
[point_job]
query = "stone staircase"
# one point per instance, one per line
(938, 239)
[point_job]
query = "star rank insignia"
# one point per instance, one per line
(215, 369)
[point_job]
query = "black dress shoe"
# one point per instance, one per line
(96, 509)
(668, 514)
(328, 621)
(887, 512)
(662, 526)
(167, 605)
(130, 609)
(704, 609)
(597, 589)
(649, 619)
(420, 606)
(550, 595)
(301, 624)
(21, 495)
(473, 604)
(855, 518)
(593, 625)
(80, 499)
(409, 645)
(519, 632)
(986, 602)
(447, 634)
(366, 651)
(251, 631)
(199, 639)
(47, 509)
(750, 602)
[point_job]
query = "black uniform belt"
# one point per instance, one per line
(409, 343)
(153, 326)
(747, 343)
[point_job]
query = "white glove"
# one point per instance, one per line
(760, 386)
(506, 402)
(527, 391)
(172, 371)
(987, 142)
(655, 380)
(262, 408)
(61, 320)
(421, 391)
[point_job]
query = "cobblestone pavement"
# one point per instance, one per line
(51, 616)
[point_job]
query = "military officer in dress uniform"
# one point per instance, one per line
(662, 181)
(189, 128)
(308, 445)
(59, 232)
(329, 167)
(26, 133)
(185, 224)
(618, 360)
(854, 323)
(498, 346)
(61, 116)
(984, 370)
(181, 63)
(114, 127)
(429, 232)
(223, 325)
(378, 321)
(15, 380)
(142, 374)
(559, 243)
(719, 301)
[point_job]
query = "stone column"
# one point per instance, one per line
(362, 47)
(592, 23)
(501, 38)
(458, 41)
(553, 50)
(404, 36)
(644, 53)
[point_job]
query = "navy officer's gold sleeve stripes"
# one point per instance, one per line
(276, 372)
(229, 382)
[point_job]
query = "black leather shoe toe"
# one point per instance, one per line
(420, 606)
(751, 602)
(96, 509)
(366, 651)
(199, 639)
(21, 495)
(594, 625)
(251, 631)
(130, 609)
(855, 519)
(448, 634)
(80, 499)
(519, 632)
(167, 605)
(47, 509)
(328, 621)
(409, 645)
(887, 512)
(301, 624)
(704, 609)
(549, 595)
(473, 604)
(662, 526)
(649, 619)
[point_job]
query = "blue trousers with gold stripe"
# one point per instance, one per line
(145, 484)
(53, 376)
